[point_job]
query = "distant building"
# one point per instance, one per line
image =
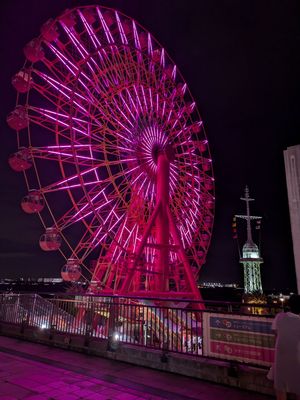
(217, 285)
(251, 258)
(292, 172)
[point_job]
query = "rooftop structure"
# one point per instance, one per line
(292, 172)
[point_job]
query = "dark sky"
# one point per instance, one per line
(241, 60)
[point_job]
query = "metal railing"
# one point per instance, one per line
(231, 331)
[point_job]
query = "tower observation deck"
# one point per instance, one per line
(251, 258)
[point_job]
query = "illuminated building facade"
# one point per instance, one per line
(251, 258)
(292, 172)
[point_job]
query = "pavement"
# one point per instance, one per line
(38, 372)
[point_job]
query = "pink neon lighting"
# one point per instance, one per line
(58, 85)
(67, 63)
(162, 58)
(90, 31)
(105, 27)
(150, 48)
(69, 179)
(121, 30)
(99, 230)
(78, 46)
(174, 73)
(71, 155)
(131, 100)
(87, 204)
(137, 97)
(136, 36)
(45, 113)
(92, 211)
(126, 105)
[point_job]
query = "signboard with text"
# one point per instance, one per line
(241, 338)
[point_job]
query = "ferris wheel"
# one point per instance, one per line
(114, 155)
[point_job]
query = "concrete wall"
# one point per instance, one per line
(223, 372)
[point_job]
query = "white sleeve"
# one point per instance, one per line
(275, 321)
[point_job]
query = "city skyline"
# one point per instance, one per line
(241, 66)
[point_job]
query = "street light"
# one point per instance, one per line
(281, 298)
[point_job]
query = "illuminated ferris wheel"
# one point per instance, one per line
(114, 155)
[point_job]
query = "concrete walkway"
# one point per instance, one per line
(38, 372)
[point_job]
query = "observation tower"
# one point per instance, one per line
(251, 258)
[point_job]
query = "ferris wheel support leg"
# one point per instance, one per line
(187, 268)
(162, 223)
(128, 279)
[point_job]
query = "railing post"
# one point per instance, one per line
(113, 342)
(25, 321)
(52, 327)
(89, 322)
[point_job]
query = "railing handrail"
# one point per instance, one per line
(63, 295)
(192, 331)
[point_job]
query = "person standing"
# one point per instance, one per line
(287, 350)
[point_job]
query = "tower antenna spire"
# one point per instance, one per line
(250, 259)
(247, 199)
(248, 217)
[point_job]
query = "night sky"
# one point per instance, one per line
(241, 60)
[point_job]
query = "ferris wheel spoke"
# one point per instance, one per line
(84, 54)
(92, 35)
(106, 230)
(184, 133)
(131, 236)
(123, 115)
(129, 68)
(65, 61)
(173, 122)
(71, 33)
(50, 121)
(114, 120)
(136, 36)
(121, 29)
(132, 102)
(67, 92)
(79, 81)
(185, 237)
(123, 240)
(88, 241)
(119, 242)
(121, 74)
(139, 103)
(72, 181)
(146, 105)
(86, 211)
(139, 49)
(94, 199)
(124, 104)
(80, 180)
(107, 32)
(83, 247)
(119, 119)
(173, 182)
(65, 154)
(71, 66)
